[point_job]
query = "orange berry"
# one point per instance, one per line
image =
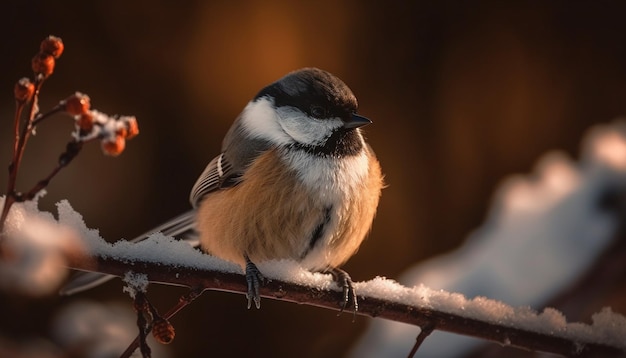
(43, 64)
(77, 103)
(163, 331)
(85, 121)
(52, 46)
(122, 132)
(24, 90)
(114, 147)
(132, 128)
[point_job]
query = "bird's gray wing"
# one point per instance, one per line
(239, 149)
(182, 226)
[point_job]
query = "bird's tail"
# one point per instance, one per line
(182, 226)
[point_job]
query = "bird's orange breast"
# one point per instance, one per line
(271, 214)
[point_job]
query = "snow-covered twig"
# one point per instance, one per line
(576, 339)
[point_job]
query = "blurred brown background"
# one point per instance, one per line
(461, 95)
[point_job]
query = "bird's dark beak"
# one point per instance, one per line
(355, 121)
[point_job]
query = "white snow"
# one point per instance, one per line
(543, 231)
(169, 251)
(291, 271)
(607, 327)
(156, 248)
(35, 247)
(107, 128)
(135, 282)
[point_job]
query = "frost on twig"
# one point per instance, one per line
(135, 282)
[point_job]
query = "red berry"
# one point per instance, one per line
(85, 121)
(114, 147)
(24, 90)
(163, 331)
(77, 103)
(52, 46)
(43, 64)
(132, 128)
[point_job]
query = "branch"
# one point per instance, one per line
(182, 275)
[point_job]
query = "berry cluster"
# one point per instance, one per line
(50, 50)
(112, 131)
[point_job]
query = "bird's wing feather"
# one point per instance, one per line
(226, 170)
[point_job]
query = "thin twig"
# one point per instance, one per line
(42, 116)
(18, 149)
(19, 107)
(425, 331)
(71, 151)
(183, 302)
(10, 199)
(141, 305)
(27, 129)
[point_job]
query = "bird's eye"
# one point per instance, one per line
(318, 112)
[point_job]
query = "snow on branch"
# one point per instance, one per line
(161, 259)
(480, 317)
(383, 298)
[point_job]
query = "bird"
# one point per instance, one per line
(295, 180)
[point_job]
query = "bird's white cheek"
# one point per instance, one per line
(303, 130)
(260, 120)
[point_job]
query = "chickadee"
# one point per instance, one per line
(295, 180)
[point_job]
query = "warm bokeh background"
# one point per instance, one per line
(461, 95)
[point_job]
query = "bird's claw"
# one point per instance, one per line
(255, 279)
(342, 278)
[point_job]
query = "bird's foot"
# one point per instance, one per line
(342, 278)
(255, 279)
